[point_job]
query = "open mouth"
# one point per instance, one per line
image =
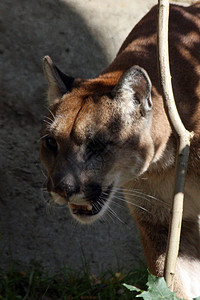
(94, 207)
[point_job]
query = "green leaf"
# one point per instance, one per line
(157, 289)
(131, 288)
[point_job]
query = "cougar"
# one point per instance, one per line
(112, 132)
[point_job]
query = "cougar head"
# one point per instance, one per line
(95, 138)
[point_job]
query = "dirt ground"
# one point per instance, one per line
(82, 37)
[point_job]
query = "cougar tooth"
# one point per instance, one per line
(89, 207)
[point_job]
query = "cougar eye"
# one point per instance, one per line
(51, 144)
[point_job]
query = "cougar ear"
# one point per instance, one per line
(136, 86)
(58, 82)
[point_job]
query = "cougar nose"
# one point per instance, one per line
(65, 187)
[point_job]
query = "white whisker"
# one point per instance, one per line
(48, 119)
(45, 121)
(115, 215)
(42, 171)
(43, 137)
(51, 113)
(44, 190)
(109, 214)
(132, 203)
(117, 204)
(95, 206)
(136, 191)
(112, 212)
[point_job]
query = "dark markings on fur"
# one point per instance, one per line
(115, 125)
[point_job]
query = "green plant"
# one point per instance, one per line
(36, 284)
(157, 290)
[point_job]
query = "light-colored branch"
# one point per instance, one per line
(183, 139)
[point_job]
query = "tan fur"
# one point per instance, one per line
(105, 134)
